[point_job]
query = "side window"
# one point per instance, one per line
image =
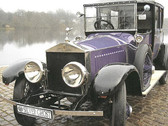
(114, 18)
(144, 19)
(126, 19)
(158, 17)
(157, 22)
(161, 17)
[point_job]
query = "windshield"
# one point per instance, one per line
(111, 17)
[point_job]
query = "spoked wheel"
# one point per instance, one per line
(143, 62)
(21, 93)
(147, 70)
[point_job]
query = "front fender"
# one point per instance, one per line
(14, 71)
(110, 77)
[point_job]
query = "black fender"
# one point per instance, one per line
(12, 72)
(161, 61)
(112, 76)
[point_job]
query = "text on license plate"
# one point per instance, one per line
(35, 111)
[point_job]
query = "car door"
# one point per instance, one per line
(158, 36)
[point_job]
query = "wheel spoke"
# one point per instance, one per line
(147, 70)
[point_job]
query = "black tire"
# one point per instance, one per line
(161, 62)
(118, 117)
(165, 57)
(21, 90)
(164, 78)
(143, 62)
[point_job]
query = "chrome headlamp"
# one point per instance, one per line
(138, 38)
(74, 74)
(33, 71)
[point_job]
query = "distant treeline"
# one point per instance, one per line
(37, 20)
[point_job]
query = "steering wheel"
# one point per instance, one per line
(98, 25)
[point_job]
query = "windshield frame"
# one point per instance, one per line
(106, 5)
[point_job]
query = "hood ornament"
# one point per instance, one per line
(67, 34)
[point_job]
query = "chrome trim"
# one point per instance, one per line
(117, 46)
(87, 61)
(61, 112)
(67, 48)
(79, 113)
(139, 38)
(88, 67)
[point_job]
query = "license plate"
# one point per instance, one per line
(35, 111)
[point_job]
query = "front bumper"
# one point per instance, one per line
(60, 112)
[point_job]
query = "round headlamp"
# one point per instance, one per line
(139, 38)
(33, 71)
(74, 74)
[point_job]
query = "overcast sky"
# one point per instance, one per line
(53, 5)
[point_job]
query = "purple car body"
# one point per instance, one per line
(122, 47)
(106, 48)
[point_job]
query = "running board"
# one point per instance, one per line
(155, 78)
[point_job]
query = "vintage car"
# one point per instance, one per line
(122, 52)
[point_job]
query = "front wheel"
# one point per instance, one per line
(118, 117)
(21, 93)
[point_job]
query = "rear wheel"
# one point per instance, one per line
(164, 78)
(161, 62)
(21, 93)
